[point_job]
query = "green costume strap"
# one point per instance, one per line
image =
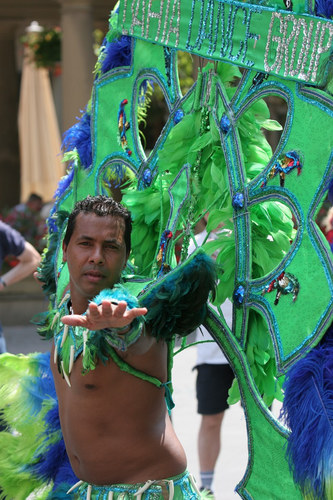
(122, 341)
(144, 376)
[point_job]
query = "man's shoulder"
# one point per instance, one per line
(9, 233)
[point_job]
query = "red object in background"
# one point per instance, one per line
(11, 260)
(329, 236)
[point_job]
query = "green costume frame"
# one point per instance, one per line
(212, 157)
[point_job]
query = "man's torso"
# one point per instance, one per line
(115, 425)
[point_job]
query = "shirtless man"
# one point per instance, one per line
(115, 425)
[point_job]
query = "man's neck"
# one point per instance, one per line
(79, 306)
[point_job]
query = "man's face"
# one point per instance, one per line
(35, 205)
(95, 255)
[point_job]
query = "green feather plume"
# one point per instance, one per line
(177, 303)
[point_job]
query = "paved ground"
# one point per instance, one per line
(233, 459)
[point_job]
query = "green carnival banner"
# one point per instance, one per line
(295, 46)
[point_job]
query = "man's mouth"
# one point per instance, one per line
(94, 276)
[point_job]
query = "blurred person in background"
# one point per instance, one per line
(12, 243)
(27, 219)
(214, 379)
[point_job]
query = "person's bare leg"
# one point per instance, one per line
(209, 445)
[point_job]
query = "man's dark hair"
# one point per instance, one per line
(34, 197)
(100, 206)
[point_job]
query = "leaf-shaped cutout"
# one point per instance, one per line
(324, 221)
(278, 112)
(260, 128)
(153, 113)
(273, 229)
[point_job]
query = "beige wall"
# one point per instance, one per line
(77, 18)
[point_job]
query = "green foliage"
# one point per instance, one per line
(45, 47)
(185, 71)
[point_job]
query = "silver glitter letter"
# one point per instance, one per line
(135, 20)
(154, 15)
(322, 48)
(291, 41)
(304, 53)
(280, 44)
(172, 28)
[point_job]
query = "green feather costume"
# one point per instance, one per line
(212, 157)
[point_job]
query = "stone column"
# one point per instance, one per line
(78, 59)
(9, 148)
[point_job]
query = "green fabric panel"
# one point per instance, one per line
(308, 129)
(135, 287)
(297, 320)
(248, 35)
(267, 474)
(110, 90)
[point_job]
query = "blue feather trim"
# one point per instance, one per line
(79, 137)
(53, 465)
(51, 461)
(46, 268)
(117, 53)
(324, 8)
(63, 184)
(118, 293)
(308, 412)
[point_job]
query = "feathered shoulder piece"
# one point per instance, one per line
(177, 302)
(46, 270)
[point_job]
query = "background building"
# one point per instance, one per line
(77, 20)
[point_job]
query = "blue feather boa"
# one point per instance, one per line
(324, 8)
(51, 462)
(117, 53)
(308, 412)
(79, 137)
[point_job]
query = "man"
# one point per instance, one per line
(114, 418)
(12, 243)
(214, 379)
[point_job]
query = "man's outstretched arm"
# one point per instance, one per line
(115, 319)
(108, 314)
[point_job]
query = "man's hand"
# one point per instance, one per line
(105, 315)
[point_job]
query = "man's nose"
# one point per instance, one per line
(96, 255)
